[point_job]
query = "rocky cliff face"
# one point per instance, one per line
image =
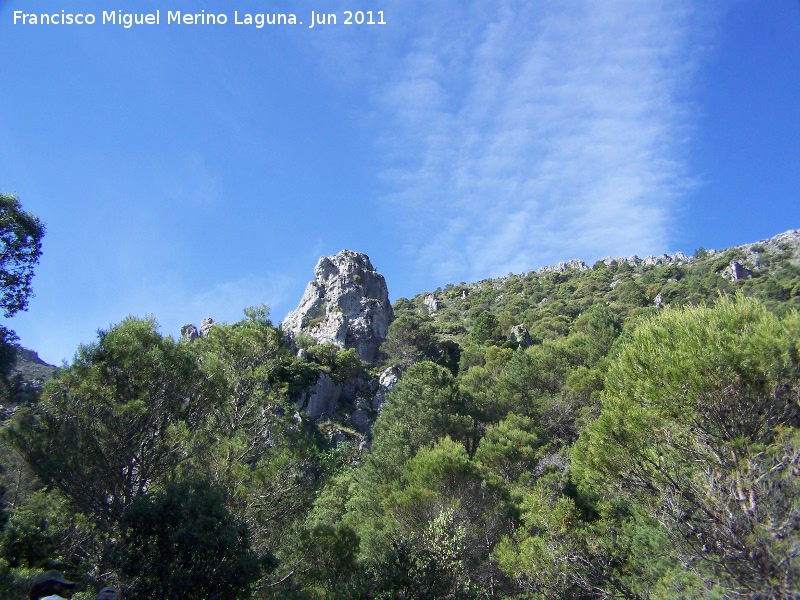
(190, 332)
(347, 304)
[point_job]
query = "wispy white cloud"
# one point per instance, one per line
(535, 132)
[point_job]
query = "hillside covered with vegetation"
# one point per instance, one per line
(625, 430)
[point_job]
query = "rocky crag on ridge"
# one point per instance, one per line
(190, 332)
(737, 269)
(347, 304)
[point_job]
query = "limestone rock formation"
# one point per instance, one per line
(519, 334)
(189, 332)
(388, 379)
(736, 271)
(322, 400)
(361, 421)
(432, 303)
(679, 258)
(748, 259)
(347, 304)
(788, 241)
(562, 267)
(206, 326)
(654, 261)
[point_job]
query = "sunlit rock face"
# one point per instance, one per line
(346, 304)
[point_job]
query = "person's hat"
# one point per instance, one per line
(53, 576)
(107, 593)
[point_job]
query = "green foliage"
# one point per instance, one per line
(510, 448)
(313, 322)
(571, 546)
(423, 407)
(323, 565)
(340, 364)
(348, 365)
(249, 442)
(413, 339)
(182, 542)
(443, 469)
(20, 248)
(593, 333)
(445, 519)
(699, 423)
(472, 355)
(520, 384)
(111, 425)
(407, 571)
(478, 392)
(303, 340)
(42, 534)
(486, 329)
(8, 356)
(21, 236)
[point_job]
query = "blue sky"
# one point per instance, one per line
(191, 171)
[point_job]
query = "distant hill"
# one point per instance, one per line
(28, 376)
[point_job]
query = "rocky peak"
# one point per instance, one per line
(347, 304)
(189, 332)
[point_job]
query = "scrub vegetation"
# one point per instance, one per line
(618, 450)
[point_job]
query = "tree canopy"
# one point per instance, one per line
(21, 236)
(700, 422)
(20, 248)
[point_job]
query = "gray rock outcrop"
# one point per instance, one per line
(519, 334)
(388, 379)
(31, 373)
(562, 267)
(432, 303)
(205, 326)
(786, 242)
(654, 261)
(736, 271)
(347, 304)
(189, 332)
(679, 258)
(322, 400)
(360, 420)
